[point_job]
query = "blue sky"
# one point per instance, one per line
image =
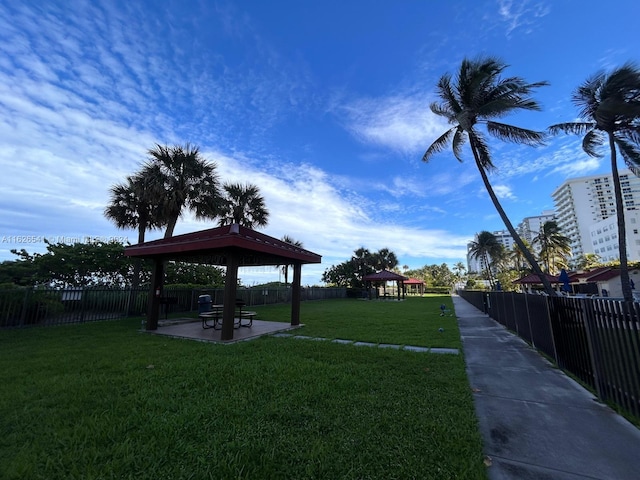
(324, 105)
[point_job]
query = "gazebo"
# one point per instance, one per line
(232, 246)
(385, 276)
(531, 279)
(417, 285)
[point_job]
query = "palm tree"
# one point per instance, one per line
(479, 95)
(486, 248)
(135, 204)
(518, 258)
(459, 269)
(243, 205)
(285, 268)
(188, 181)
(554, 247)
(609, 107)
(587, 261)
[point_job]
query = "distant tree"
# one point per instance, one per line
(188, 180)
(588, 261)
(506, 278)
(609, 106)
(441, 275)
(243, 205)
(285, 268)
(484, 248)
(478, 96)
(518, 259)
(385, 259)
(555, 248)
(88, 264)
(362, 263)
(21, 272)
(194, 274)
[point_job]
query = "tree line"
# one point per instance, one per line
(173, 180)
(609, 114)
(363, 262)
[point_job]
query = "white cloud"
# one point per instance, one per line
(400, 122)
(503, 192)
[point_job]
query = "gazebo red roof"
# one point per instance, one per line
(212, 246)
(534, 278)
(384, 276)
(413, 281)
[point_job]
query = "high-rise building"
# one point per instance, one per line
(530, 227)
(584, 204)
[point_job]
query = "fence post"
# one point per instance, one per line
(551, 312)
(595, 363)
(25, 306)
(526, 304)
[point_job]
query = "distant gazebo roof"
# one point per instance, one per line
(534, 279)
(385, 276)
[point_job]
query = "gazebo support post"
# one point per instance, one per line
(295, 294)
(153, 304)
(230, 286)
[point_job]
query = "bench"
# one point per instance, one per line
(249, 315)
(204, 316)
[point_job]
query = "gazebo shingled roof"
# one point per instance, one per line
(232, 246)
(384, 276)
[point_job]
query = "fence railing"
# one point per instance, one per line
(595, 339)
(26, 306)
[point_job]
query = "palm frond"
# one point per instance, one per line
(593, 139)
(446, 92)
(508, 95)
(459, 139)
(443, 110)
(438, 145)
(575, 128)
(630, 133)
(623, 82)
(479, 144)
(513, 134)
(587, 96)
(630, 153)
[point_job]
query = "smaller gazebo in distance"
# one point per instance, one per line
(383, 277)
(416, 286)
(528, 281)
(231, 246)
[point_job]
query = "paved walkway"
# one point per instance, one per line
(536, 422)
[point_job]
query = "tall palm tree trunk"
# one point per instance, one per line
(525, 251)
(622, 230)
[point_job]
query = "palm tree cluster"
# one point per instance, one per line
(173, 180)
(609, 108)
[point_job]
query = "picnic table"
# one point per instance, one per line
(215, 314)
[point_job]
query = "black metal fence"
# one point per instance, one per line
(595, 339)
(26, 306)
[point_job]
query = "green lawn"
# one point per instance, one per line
(415, 321)
(105, 401)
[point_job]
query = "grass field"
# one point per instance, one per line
(105, 401)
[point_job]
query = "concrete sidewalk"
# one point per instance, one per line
(536, 422)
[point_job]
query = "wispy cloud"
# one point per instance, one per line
(403, 123)
(521, 14)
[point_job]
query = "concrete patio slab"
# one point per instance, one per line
(192, 329)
